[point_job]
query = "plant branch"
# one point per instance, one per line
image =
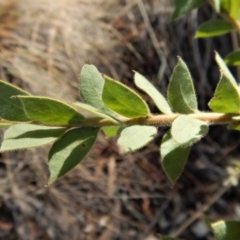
(160, 120)
(225, 14)
(230, 19)
(155, 120)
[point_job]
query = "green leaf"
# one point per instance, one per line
(91, 88)
(174, 157)
(186, 130)
(233, 58)
(111, 131)
(5, 124)
(161, 103)
(23, 135)
(226, 97)
(50, 111)
(95, 111)
(135, 137)
(235, 164)
(169, 238)
(213, 28)
(11, 109)
(208, 222)
(223, 67)
(232, 7)
(216, 5)
(123, 100)
(181, 93)
(183, 7)
(69, 150)
(234, 125)
(226, 230)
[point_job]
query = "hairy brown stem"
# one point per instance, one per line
(155, 120)
(160, 120)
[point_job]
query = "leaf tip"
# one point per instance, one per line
(48, 185)
(179, 58)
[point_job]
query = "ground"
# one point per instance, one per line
(111, 195)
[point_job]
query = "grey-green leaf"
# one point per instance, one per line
(235, 124)
(95, 111)
(6, 124)
(174, 157)
(169, 238)
(213, 28)
(69, 150)
(23, 135)
(11, 109)
(223, 67)
(233, 58)
(161, 103)
(186, 130)
(50, 111)
(91, 88)
(181, 92)
(232, 7)
(185, 6)
(135, 137)
(216, 5)
(111, 131)
(226, 230)
(123, 100)
(226, 98)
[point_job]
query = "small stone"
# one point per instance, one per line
(200, 229)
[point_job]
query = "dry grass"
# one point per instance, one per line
(43, 45)
(46, 43)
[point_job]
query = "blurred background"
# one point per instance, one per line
(111, 196)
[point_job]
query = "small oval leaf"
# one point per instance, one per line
(95, 111)
(183, 7)
(223, 68)
(123, 100)
(169, 238)
(135, 137)
(91, 88)
(111, 131)
(235, 125)
(226, 98)
(69, 150)
(6, 124)
(186, 130)
(50, 111)
(232, 7)
(11, 109)
(174, 157)
(161, 103)
(213, 28)
(233, 58)
(181, 93)
(226, 230)
(216, 5)
(23, 135)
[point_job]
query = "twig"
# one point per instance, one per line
(198, 214)
(153, 37)
(156, 120)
